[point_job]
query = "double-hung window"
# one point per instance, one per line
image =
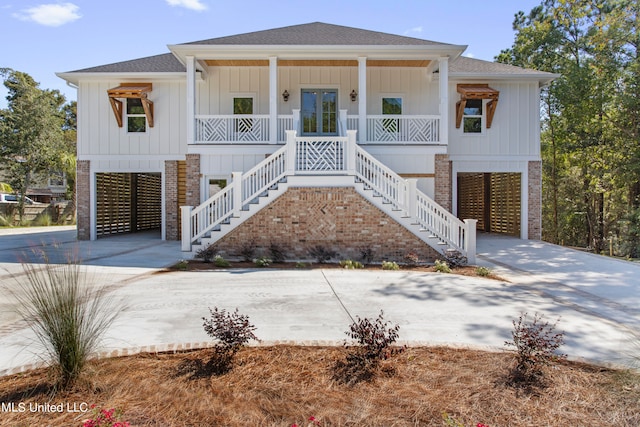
(136, 118)
(472, 116)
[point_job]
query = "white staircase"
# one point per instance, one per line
(326, 162)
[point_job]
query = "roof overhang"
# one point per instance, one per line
(542, 78)
(314, 52)
(131, 91)
(480, 91)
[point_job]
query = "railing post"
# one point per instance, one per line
(236, 182)
(290, 167)
(296, 119)
(471, 240)
(411, 191)
(351, 152)
(343, 121)
(185, 212)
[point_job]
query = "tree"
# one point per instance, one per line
(31, 132)
(590, 128)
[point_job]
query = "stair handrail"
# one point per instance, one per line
(395, 190)
(212, 212)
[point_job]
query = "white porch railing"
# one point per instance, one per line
(231, 129)
(328, 155)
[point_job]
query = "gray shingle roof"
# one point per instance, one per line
(165, 63)
(465, 65)
(317, 33)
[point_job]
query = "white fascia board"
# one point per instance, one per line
(543, 78)
(314, 51)
(75, 78)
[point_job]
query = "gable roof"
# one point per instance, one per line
(318, 33)
(164, 63)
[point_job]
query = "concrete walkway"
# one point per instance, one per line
(596, 298)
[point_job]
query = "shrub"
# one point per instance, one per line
(182, 265)
(105, 418)
(454, 258)
(301, 264)
(390, 265)
(366, 254)
(374, 339)
(277, 253)
(248, 251)
(232, 331)
(483, 271)
(262, 261)
(322, 254)
(66, 310)
(442, 267)
(350, 264)
(535, 345)
(411, 259)
(207, 253)
(42, 220)
(219, 261)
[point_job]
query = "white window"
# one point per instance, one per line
(136, 119)
(391, 106)
(472, 116)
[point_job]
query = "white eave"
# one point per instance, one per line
(543, 78)
(75, 78)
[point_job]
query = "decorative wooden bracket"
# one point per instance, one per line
(476, 91)
(131, 90)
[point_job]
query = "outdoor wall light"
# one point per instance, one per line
(353, 95)
(285, 95)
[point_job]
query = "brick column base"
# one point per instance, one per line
(171, 199)
(443, 181)
(535, 200)
(83, 199)
(193, 179)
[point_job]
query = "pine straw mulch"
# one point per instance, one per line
(283, 385)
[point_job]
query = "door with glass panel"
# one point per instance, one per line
(319, 112)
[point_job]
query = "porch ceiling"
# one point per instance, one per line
(316, 63)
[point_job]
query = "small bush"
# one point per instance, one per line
(322, 254)
(207, 253)
(390, 265)
(442, 267)
(411, 259)
(66, 310)
(483, 271)
(535, 345)
(374, 339)
(232, 332)
(182, 265)
(277, 253)
(248, 251)
(42, 220)
(350, 264)
(301, 264)
(262, 261)
(219, 261)
(455, 258)
(366, 254)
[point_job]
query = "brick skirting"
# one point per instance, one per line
(338, 219)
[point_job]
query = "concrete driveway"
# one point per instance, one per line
(595, 297)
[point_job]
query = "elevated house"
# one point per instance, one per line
(310, 135)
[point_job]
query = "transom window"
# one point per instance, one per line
(136, 118)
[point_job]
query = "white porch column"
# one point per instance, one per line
(191, 98)
(185, 212)
(362, 99)
(273, 100)
(471, 240)
(444, 99)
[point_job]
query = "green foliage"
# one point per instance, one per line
(32, 133)
(207, 253)
(442, 266)
(219, 261)
(42, 220)
(390, 265)
(262, 261)
(591, 118)
(350, 264)
(66, 310)
(483, 271)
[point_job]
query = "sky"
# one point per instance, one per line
(42, 37)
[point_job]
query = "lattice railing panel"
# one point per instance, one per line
(320, 154)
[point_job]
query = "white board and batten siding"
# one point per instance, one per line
(111, 148)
